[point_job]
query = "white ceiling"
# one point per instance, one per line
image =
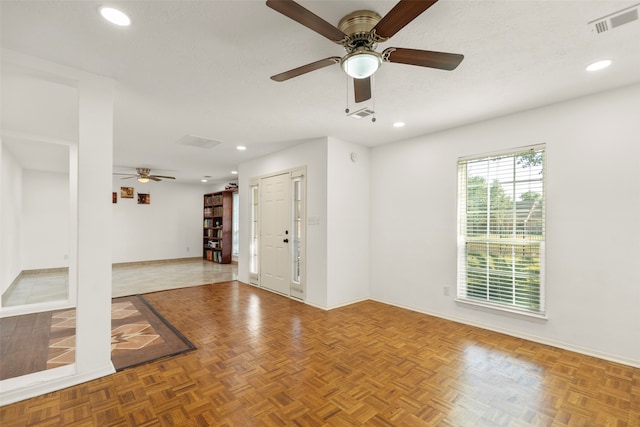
(202, 68)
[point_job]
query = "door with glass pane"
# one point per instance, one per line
(277, 233)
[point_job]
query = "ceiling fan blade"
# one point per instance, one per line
(129, 177)
(293, 10)
(161, 176)
(401, 14)
(128, 174)
(362, 89)
(423, 58)
(153, 178)
(306, 69)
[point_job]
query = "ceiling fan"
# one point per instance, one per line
(359, 33)
(144, 175)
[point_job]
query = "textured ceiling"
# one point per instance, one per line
(202, 68)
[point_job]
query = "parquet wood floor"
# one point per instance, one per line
(264, 360)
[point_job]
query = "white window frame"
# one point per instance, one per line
(254, 232)
(527, 242)
(235, 247)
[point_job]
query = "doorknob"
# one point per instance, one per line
(286, 240)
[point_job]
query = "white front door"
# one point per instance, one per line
(275, 206)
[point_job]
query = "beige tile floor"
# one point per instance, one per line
(142, 278)
(127, 279)
(37, 286)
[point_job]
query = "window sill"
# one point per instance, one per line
(498, 309)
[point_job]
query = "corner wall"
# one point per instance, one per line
(10, 222)
(90, 253)
(313, 155)
(347, 223)
(45, 220)
(593, 238)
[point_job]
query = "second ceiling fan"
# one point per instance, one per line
(359, 33)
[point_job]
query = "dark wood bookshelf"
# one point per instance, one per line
(217, 226)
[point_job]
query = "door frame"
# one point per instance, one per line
(295, 174)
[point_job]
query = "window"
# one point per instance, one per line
(296, 276)
(501, 230)
(253, 245)
(235, 247)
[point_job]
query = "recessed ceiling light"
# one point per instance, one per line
(234, 172)
(599, 65)
(241, 148)
(203, 180)
(115, 16)
(398, 124)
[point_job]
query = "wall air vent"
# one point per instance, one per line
(198, 141)
(361, 114)
(614, 20)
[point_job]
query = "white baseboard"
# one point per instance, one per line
(27, 386)
(518, 334)
(333, 307)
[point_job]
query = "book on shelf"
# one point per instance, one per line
(217, 199)
(208, 200)
(208, 212)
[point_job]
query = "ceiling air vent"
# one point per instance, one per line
(198, 141)
(615, 19)
(361, 114)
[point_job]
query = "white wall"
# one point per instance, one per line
(95, 160)
(10, 214)
(90, 253)
(45, 220)
(347, 223)
(170, 227)
(313, 155)
(593, 213)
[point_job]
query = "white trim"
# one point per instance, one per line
(534, 338)
(506, 151)
(344, 304)
(39, 383)
(38, 307)
(502, 309)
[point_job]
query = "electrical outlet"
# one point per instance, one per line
(445, 290)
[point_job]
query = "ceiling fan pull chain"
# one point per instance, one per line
(373, 99)
(346, 110)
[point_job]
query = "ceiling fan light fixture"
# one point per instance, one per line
(115, 16)
(598, 65)
(361, 64)
(143, 180)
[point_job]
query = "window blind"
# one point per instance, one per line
(501, 230)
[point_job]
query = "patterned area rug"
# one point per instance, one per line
(139, 334)
(35, 342)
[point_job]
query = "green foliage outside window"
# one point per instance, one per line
(504, 229)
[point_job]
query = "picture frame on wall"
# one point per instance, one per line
(144, 198)
(126, 192)
(114, 197)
